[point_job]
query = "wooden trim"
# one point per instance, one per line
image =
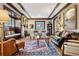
(14, 17)
(63, 49)
(21, 6)
(39, 18)
(61, 10)
(21, 25)
(54, 9)
(24, 9)
(5, 7)
(53, 26)
(76, 16)
(14, 8)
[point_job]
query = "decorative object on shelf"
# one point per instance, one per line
(25, 22)
(31, 26)
(26, 25)
(4, 17)
(26, 33)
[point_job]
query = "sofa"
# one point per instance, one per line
(71, 47)
(58, 39)
(9, 47)
(13, 32)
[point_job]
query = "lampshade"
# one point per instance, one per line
(4, 17)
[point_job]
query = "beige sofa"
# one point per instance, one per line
(71, 47)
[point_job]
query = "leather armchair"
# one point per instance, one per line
(9, 47)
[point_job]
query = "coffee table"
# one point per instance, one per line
(38, 39)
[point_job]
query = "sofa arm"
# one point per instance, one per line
(71, 47)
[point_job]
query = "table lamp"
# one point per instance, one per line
(4, 17)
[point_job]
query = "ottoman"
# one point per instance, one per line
(20, 43)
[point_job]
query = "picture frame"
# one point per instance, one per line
(39, 25)
(70, 18)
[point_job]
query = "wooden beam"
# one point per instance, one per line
(24, 9)
(54, 9)
(14, 17)
(39, 18)
(5, 7)
(61, 10)
(14, 8)
(21, 6)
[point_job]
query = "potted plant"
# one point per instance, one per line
(26, 33)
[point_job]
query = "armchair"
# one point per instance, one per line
(9, 47)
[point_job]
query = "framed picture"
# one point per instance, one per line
(70, 21)
(39, 25)
(31, 26)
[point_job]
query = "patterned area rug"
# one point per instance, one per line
(32, 49)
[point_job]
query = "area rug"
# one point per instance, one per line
(32, 49)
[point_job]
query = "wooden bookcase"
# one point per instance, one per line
(49, 28)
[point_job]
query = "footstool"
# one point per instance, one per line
(20, 43)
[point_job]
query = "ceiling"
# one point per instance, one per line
(39, 10)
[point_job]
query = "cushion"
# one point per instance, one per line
(58, 33)
(54, 41)
(12, 32)
(56, 38)
(7, 33)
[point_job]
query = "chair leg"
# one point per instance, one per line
(17, 48)
(63, 51)
(38, 42)
(23, 47)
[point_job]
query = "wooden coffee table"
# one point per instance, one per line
(47, 39)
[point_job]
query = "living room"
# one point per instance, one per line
(39, 29)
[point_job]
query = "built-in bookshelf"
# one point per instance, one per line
(49, 28)
(13, 27)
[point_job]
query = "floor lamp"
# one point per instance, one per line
(4, 17)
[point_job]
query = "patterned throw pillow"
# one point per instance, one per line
(7, 33)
